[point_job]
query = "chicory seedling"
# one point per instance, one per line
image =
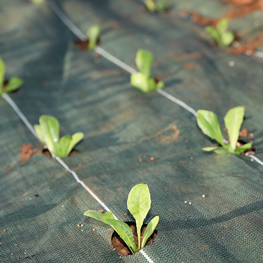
(13, 84)
(48, 133)
(220, 34)
(208, 123)
(93, 36)
(142, 80)
(139, 204)
(155, 6)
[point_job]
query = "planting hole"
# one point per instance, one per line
(83, 44)
(120, 246)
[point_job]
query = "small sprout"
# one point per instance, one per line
(38, 1)
(93, 36)
(142, 80)
(139, 204)
(13, 84)
(220, 34)
(208, 123)
(48, 133)
(155, 6)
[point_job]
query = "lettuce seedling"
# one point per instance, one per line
(220, 34)
(48, 133)
(142, 80)
(139, 204)
(13, 84)
(93, 35)
(208, 123)
(155, 6)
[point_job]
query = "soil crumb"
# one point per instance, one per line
(120, 245)
(26, 151)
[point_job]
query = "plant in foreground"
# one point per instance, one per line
(138, 203)
(93, 35)
(208, 123)
(13, 84)
(220, 34)
(142, 80)
(155, 6)
(48, 133)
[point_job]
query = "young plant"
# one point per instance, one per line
(208, 123)
(93, 36)
(38, 1)
(48, 133)
(13, 84)
(142, 80)
(155, 6)
(139, 204)
(220, 34)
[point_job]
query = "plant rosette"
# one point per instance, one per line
(142, 79)
(208, 123)
(139, 204)
(8, 86)
(48, 133)
(93, 39)
(155, 6)
(220, 33)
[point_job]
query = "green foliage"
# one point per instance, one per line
(93, 36)
(139, 204)
(13, 84)
(142, 80)
(220, 34)
(208, 123)
(154, 6)
(48, 133)
(38, 1)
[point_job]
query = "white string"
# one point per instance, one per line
(258, 54)
(19, 113)
(177, 101)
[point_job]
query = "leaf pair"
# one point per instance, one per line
(154, 6)
(93, 35)
(220, 34)
(208, 123)
(139, 204)
(13, 84)
(48, 133)
(142, 80)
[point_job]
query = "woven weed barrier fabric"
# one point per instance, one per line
(130, 137)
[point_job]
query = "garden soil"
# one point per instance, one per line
(210, 206)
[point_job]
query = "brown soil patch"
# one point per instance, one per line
(26, 151)
(189, 65)
(120, 245)
(83, 45)
(249, 47)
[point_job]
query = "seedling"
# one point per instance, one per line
(13, 84)
(208, 123)
(93, 36)
(139, 204)
(220, 34)
(38, 1)
(155, 6)
(142, 80)
(48, 133)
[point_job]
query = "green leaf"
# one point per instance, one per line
(93, 35)
(233, 121)
(243, 148)
(144, 61)
(213, 33)
(160, 85)
(40, 133)
(150, 5)
(222, 25)
(123, 230)
(227, 38)
(161, 6)
(2, 74)
(67, 143)
(13, 84)
(218, 150)
(142, 82)
(139, 204)
(149, 230)
(209, 149)
(208, 123)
